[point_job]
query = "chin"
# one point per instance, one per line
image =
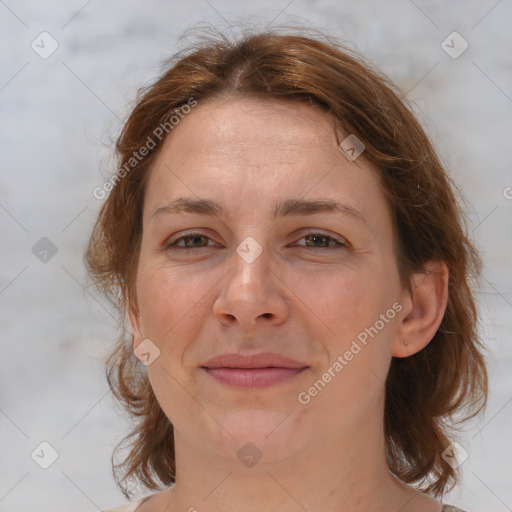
(264, 428)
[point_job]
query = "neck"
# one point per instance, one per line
(336, 471)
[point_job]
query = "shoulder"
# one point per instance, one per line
(131, 507)
(128, 507)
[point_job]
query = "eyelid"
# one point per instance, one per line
(339, 242)
(170, 241)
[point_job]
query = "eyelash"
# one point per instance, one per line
(173, 246)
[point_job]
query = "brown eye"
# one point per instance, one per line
(321, 241)
(191, 241)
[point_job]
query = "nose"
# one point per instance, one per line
(252, 294)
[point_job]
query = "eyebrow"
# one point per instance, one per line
(287, 208)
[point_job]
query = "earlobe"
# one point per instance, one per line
(423, 316)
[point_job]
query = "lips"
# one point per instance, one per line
(259, 370)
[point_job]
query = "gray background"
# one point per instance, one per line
(59, 116)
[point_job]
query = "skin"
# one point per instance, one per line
(297, 298)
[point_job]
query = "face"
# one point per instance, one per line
(270, 269)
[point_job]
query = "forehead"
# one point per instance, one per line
(256, 151)
(239, 128)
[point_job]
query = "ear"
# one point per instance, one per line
(423, 310)
(135, 326)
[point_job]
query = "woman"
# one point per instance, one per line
(291, 258)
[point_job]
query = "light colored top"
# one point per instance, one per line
(129, 507)
(132, 507)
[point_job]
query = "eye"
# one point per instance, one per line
(193, 238)
(322, 239)
(198, 240)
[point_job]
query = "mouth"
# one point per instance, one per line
(253, 377)
(256, 371)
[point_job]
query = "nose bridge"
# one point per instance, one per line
(250, 249)
(250, 290)
(251, 260)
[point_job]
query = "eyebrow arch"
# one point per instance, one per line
(286, 208)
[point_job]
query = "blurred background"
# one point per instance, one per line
(69, 75)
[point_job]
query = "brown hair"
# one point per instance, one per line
(422, 391)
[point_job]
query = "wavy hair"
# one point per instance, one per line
(424, 392)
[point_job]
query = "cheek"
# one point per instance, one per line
(350, 304)
(345, 300)
(172, 303)
(169, 301)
